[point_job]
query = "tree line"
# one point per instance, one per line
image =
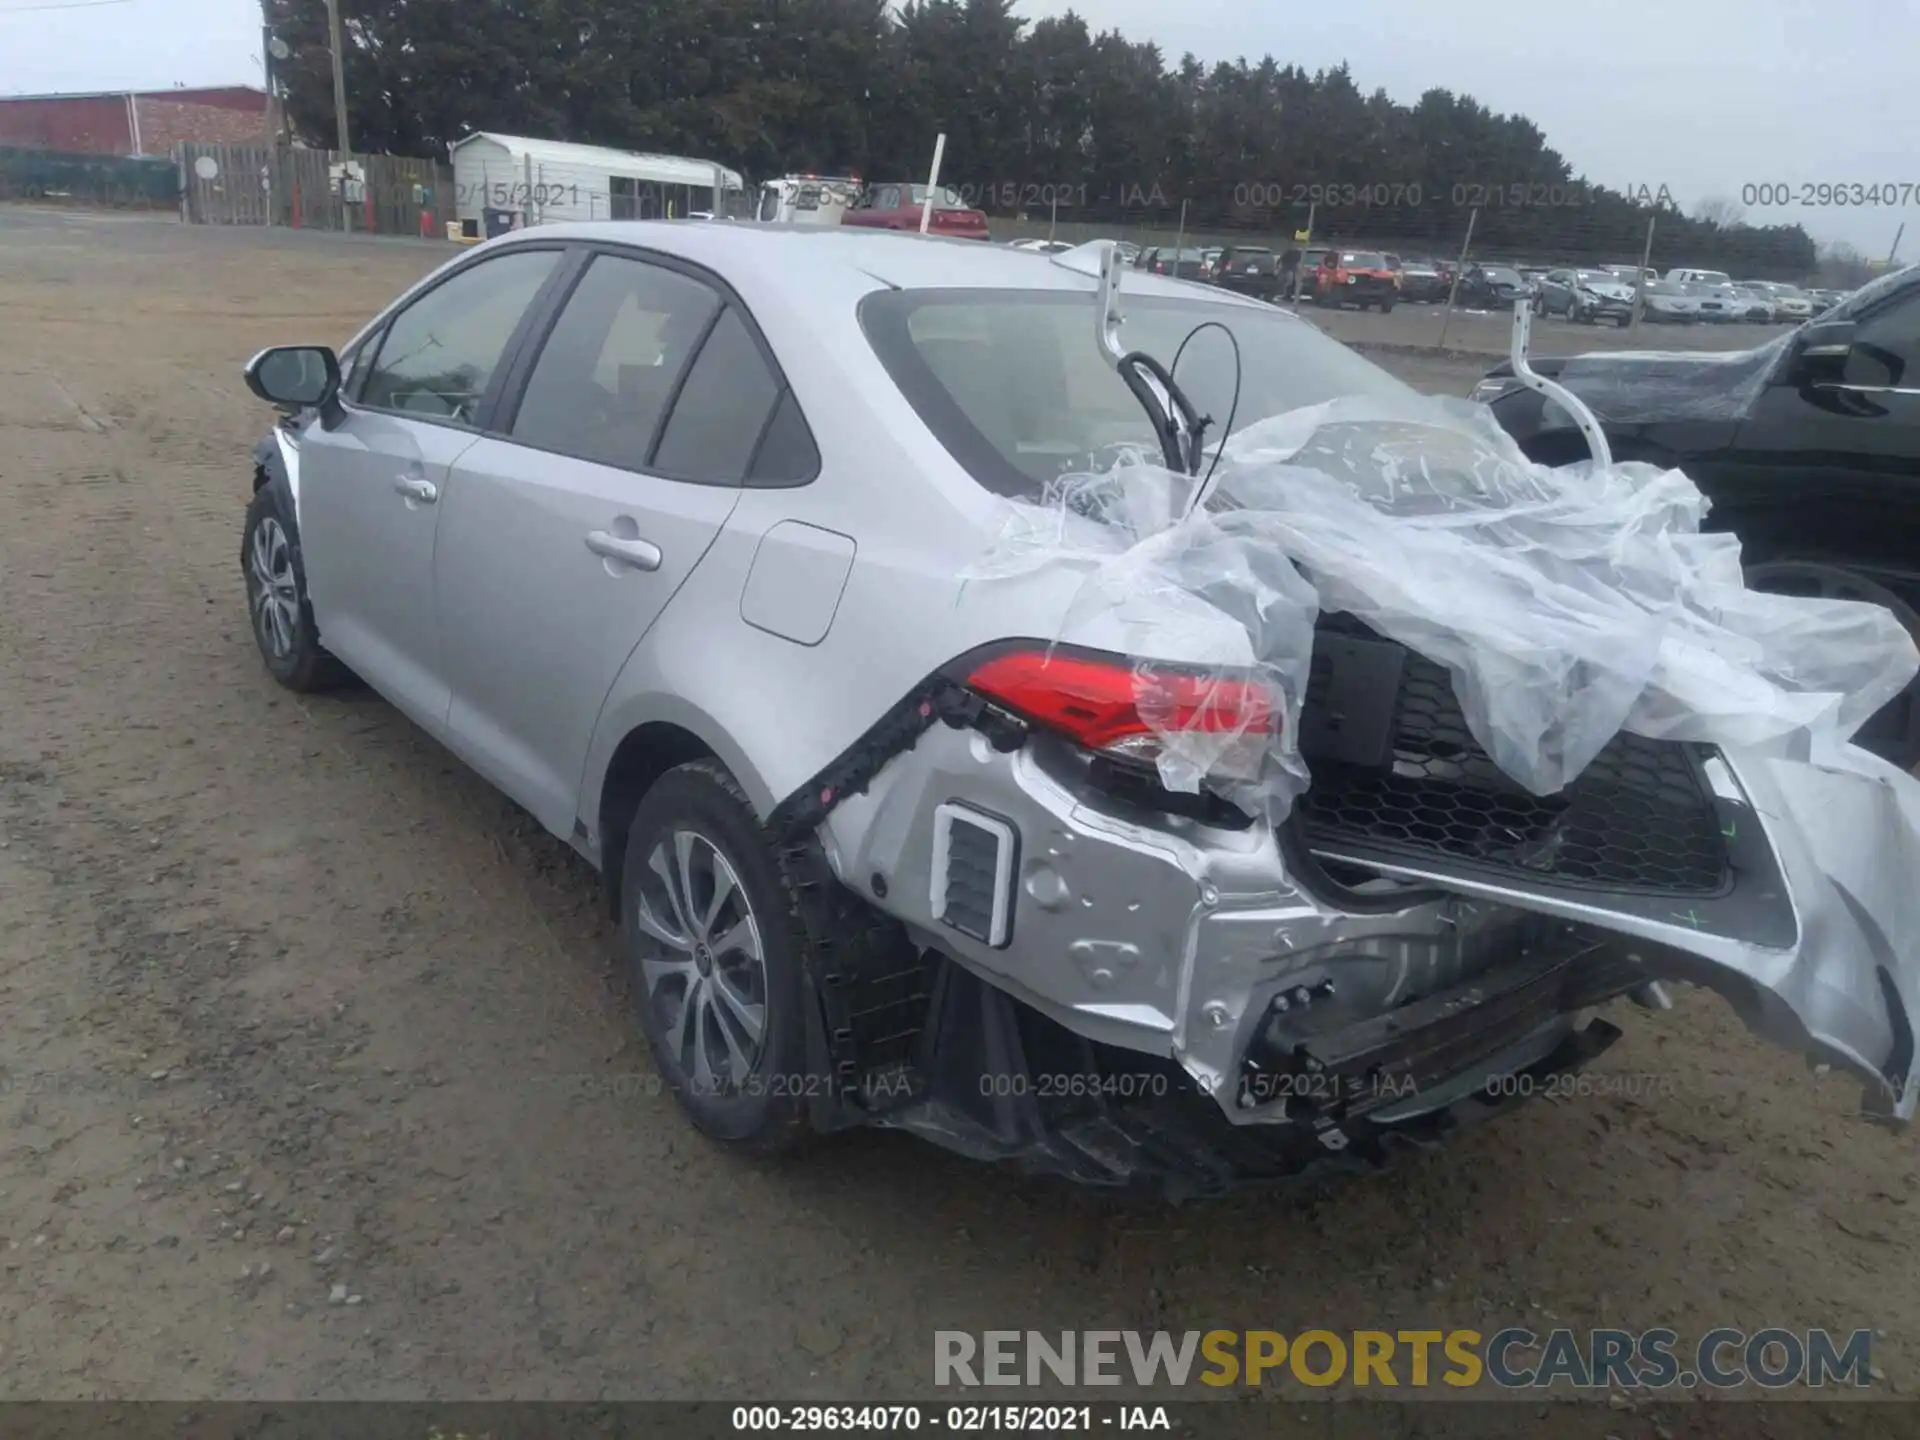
(1041, 118)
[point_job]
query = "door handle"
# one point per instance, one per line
(422, 490)
(641, 554)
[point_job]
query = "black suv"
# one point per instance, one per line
(1248, 270)
(1808, 448)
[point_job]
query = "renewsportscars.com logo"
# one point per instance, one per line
(1509, 1359)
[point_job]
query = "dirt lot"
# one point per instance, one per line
(296, 1009)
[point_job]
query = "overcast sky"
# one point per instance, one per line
(1702, 96)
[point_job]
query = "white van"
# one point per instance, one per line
(807, 199)
(1700, 277)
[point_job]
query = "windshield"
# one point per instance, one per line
(1665, 287)
(944, 198)
(1502, 274)
(1015, 385)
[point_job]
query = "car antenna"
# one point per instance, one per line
(1583, 418)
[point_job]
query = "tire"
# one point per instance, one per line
(1621, 322)
(1386, 307)
(1894, 732)
(278, 611)
(698, 1001)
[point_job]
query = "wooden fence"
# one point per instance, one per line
(312, 189)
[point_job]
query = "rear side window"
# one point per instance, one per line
(787, 455)
(724, 405)
(438, 355)
(610, 368)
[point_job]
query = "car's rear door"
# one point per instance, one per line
(621, 447)
(374, 480)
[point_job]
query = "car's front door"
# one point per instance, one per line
(373, 480)
(565, 537)
(1834, 460)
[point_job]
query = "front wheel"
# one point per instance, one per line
(277, 604)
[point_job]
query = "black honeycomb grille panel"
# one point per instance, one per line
(1639, 818)
(972, 854)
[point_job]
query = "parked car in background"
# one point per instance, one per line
(1210, 261)
(1737, 306)
(1806, 446)
(1683, 276)
(896, 206)
(1422, 282)
(1668, 302)
(1188, 264)
(1127, 251)
(1633, 274)
(1355, 277)
(1759, 308)
(1248, 270)
(1788, 301)
(1586, 297)
(1491, 287)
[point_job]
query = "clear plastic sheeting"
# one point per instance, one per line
(1567, 604)
(1169, 579)
(1637, 387)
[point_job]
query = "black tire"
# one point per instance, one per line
(1386, 307)
(1894, 732)
(292, 651)
(1621, 322)
(791, 902)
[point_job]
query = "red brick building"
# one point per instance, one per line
(143, 122)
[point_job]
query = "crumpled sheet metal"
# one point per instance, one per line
(1568, 604)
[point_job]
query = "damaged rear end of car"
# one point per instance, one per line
(1362, 761)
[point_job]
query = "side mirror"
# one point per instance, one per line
(295, 376)
(1820, 352)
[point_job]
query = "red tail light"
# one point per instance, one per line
(1112, 704)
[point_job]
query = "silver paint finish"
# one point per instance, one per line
(495, 615)
(794, 586)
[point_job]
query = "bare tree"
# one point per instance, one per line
(1720, 210)
(1841, 264)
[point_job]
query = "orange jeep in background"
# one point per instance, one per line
(1356, 277)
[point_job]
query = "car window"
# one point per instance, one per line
(1886, 347)
(721, 409)
(439, 354)
(1015, 385)
(608, 370)
(787, 454)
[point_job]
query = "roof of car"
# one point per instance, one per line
(891, 258)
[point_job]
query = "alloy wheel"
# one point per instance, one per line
(276, 594)
(706, 982)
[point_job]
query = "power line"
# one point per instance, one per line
(63, 5)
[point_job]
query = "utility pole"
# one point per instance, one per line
(339, 78)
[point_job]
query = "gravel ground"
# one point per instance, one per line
(317, 1081)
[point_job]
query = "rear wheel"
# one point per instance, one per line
(1894, 732)
(716, 927)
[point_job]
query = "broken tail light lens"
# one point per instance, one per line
(1135, 710)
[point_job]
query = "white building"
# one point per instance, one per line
(543, 180)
